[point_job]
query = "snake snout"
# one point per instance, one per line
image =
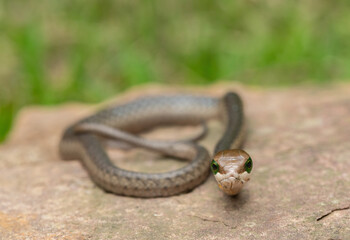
(226, 184)
(231, 185)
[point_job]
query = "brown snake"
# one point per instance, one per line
(84, 141)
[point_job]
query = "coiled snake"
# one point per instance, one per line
(231, 168)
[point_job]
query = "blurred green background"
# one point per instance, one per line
(88, 50)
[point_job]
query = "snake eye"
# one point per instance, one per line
(214, 167)
(248, 166)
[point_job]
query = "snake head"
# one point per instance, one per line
(231, 169)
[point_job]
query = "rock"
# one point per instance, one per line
(299, 140)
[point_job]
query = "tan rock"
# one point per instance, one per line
(299, 140)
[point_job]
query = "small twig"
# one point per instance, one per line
(330, 212)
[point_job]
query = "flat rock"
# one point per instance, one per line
(299, 140)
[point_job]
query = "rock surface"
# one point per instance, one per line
(299, 140)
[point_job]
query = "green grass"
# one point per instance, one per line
(54, 51)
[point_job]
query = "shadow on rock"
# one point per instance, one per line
(236, 202)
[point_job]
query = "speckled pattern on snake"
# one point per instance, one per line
(86, 140)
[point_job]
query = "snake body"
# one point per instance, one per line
(144, 114)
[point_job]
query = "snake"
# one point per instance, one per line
(86, 140)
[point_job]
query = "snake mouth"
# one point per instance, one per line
(231, 184)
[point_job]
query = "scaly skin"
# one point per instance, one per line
(141, 115)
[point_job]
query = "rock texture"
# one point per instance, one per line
(299, 140)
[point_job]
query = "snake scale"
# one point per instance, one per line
(85, 139)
